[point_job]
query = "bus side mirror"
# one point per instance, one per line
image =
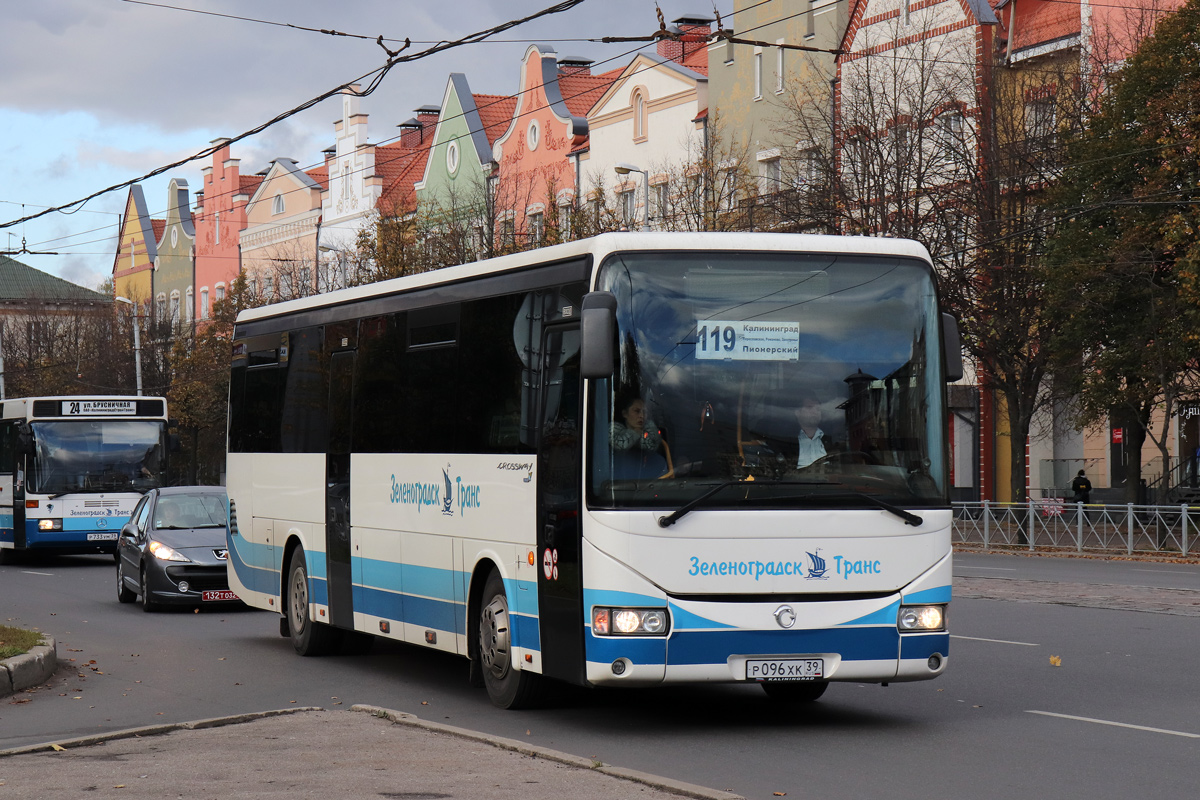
(25, 440)
(952, 346)
(173, 442)
(598, 335)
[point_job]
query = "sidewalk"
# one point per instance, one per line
(314, 753)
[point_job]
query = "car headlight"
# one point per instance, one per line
(49, 524)
(607, 621)
(165, 553)
(922, 618)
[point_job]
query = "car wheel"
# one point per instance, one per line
(148, 603)
(507, 685)
(795, 691)
(309, 638)
(124, 593)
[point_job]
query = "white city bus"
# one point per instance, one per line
(454, 459)
(72, 469)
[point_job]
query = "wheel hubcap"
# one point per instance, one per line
(299, 598)
(494, 639)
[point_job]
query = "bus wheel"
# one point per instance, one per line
(124, 593)
(308, 638)
(795, 691)
(507, 685)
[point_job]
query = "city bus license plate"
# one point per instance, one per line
(102, 537)
(218, 594)
(785, 669)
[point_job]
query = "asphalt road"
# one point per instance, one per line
(1118, 715)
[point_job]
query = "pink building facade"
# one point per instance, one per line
(220, 217)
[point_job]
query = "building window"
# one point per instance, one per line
(533, 135)
(452, 157)
(175, 308)
(220, 293)
(1040, 119)
(728, 190)
(188, 308)
(217, 227)
(659, 200)
(160, 307)
(537, 228)
(639, 116)
(779, 68)
(808, 168)
(508, 232)
(269, 287)
(758, 73)
(627, 202)
(564, 219)
(770, 175)
(204, 303)
(277, 204)
(174, 238)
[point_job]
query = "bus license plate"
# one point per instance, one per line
(219, 594)
(785, 669)
(102, 537)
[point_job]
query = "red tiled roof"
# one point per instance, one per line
(400, 167)
(495, 112)
(1040, 22)
(248, 184)
(580, 92)
(320, 175)
(158, 226)
(697, 60)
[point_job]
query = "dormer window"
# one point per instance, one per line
(533, 135)
(277, 204)
(452, 157)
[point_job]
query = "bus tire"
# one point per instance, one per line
(309, 638)
(795, 691)
(508, 686)
(124, 593)
(8, 556)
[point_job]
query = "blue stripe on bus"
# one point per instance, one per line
(924, 645)
(113, 524)
(248, 559)
(715, 647)
(884, 616)
(682, 619)
(603, 597)
(638, 649)
(939, 594)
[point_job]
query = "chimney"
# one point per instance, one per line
(574, 65)
(427, 117)
(694, 30)
(410, 133)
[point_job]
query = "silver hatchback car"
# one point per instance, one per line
(173, 549)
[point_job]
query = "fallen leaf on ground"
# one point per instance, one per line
(1055, 661)
(57, 747)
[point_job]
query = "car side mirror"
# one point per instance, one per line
(598, 335)
(128, 531)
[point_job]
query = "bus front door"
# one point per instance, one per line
(337, 492)
(560, 574)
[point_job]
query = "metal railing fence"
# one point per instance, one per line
(1063, 525)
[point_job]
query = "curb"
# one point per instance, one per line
(31, 669)
(153, 730)
(534, 751)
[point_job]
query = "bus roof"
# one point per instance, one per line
(600, 247)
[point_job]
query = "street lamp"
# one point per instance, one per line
(137, 342)
(625, 169)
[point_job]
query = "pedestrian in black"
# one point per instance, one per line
(1082, 488)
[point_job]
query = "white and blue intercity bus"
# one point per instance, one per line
(632, 460)
(72, 469)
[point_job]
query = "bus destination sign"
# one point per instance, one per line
(99, 408)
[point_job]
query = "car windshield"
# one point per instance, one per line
(97, 456)
(179, 511)
(803, 380)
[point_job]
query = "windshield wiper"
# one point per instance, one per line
(673, 517)
(908, 517)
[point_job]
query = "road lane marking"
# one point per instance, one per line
(47, 574)
(1117, 724)
(1164, 571)
(996, 641)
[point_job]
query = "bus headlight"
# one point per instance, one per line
(165, 553)
(629, 621)
(49, 524)
(922, 618)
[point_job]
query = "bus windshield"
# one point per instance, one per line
(792, 381)
(97, 456)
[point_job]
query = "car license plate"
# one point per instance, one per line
(102, 537)
(218, 594)
(785, 669)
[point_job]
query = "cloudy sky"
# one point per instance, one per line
(98, 92)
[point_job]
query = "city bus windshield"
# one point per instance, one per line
(96, 455)
(803, 380)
